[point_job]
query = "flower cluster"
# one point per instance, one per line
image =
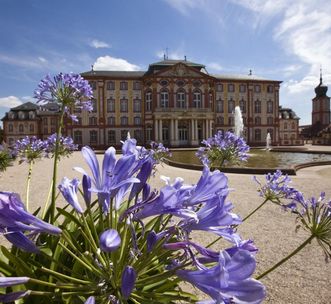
(276, 187)
(223, 149)
(30, 149)
(6, 158)
(68, 90)
(120, 244)
(159, 152)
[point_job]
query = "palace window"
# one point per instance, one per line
(148, 100)
(137, 85)
(180, 83)
(110, 85)
(257, 106)
(257, 88)
(197, 102)
(164, 82)
(20, 128)
(242, 105)
(110, 105)
(220, 120)
(53, 121)
(138, 135)
(220, 106)
(270, 120)
(78, 139)
(93, 121)
(137, 105)
(182, 132)
(230, 105)
(293, 125)
(242, 88)
(231, 121)
(123, 85)
(164, 101)
(257, 120)
(230, 87)
(111, 137)
(124, 105)
(10, 128)
(31, 127)
(270, 89)
(257, 134)
(285, 125)
(111, 121)
(219, 87)
(45, 121)
(93, 137)
(137, 120)
(124, 134)
(165, 133)
(270, 106)
(124, 121)
(149, 133)
(181, 99)
(78, 122)
(271, 132)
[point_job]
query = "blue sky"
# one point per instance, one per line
(278, 39)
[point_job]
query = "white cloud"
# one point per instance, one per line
(214, 66)
(184, 6)
(42, 59)
(108, 63)
(10, 102)
(176, 55)
(95, 43)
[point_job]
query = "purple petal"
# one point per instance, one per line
(110, 240)
(90, 300)
(11, 281)
(128, 280)
(13, 296)
(92, 162)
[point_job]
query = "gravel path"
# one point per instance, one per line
(303, 279)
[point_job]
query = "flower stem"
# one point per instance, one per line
(28, 186)
(286, 258)
(56, 155)
(249, 215)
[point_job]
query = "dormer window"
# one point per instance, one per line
(11, 115)
(32, 115)
(21, 115)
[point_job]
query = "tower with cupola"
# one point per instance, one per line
(320, 108)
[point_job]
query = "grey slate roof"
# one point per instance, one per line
(28, 106)
(119, 74)
(240, 77)
(287, 113)
(169, 62)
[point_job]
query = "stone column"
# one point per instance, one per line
(160, 131)
(176, 131)
(192, 130)
(204, 129)
(210, 128)
(156, 130)
(196, 130)
(172, 131)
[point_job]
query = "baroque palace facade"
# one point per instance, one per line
(175, 102)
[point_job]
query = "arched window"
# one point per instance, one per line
(242, 105)
(220, 106)
(148, 101)
(20, 128)
(270, 106)
(285, 125)
(257, 120)
(181, 99)
(124, 105)
(257, 106)
(78, 137)
(164, 99)
(110, 105)
(197, 101)
(230, 105)
(257, 135)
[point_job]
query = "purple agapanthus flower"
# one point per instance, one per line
(13, 296)
(159, 152)
(69, 189)
(229, 281)
(222, 149)
(276, 187)
(68, 90)
(15, 220)
(90, 300)
(110, 240)
(29, 149)
(128, 281)
(65, 148)
(114, 174)
(12, 281)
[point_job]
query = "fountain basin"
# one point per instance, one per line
(260, 162)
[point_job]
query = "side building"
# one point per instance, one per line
(289, 128)
(176, 102)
